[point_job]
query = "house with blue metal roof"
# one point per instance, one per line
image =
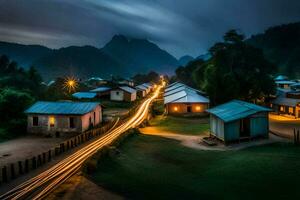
(238, 120)
(56, 118)
(123, 93)
(102, 92)
(180, 99)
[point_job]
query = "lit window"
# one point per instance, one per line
(281, 108)
(51, 121)
(271, 105)
(291, 110)
(198, 108)
(175, 108)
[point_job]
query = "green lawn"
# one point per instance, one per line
(151, 167)
(180, 125)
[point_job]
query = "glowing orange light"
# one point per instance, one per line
(198, 108)
(51, 121)
(175, 108)
(70, 84)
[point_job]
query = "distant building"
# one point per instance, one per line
(102, 92)
(141, 90)
(285, 84)
(286, 106)
(123, 93)
(181, 99)
(238, 120)
(128, 82)
(96, 81)
(55, 118)
(281, 78)
(84, 95)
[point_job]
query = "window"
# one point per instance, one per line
(51, 121)
(175, 108)
(291, 110)
(281, 108)
(198, 108)
(72, 122)
(35, 121)
(117, 93)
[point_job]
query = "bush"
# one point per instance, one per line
(157, 108)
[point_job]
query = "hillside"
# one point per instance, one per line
(120, 56)
(139, 55)
(281, 45)
(23, 54)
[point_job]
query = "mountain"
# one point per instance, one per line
(204, 57)
(139, 55)
(24, 54)
(184, 60)
(76, 61)
(121, 56)
(281, 45)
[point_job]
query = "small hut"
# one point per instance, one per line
(237, 120)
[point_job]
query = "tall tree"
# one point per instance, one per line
(236, 71)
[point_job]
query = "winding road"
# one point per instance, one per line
(40, 186)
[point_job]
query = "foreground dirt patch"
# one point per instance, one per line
(194, 141)
(79, 187)
(25, 147)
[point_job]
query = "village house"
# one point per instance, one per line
(286, 106)
(185, 101)
(141, 90)
(123, 93)
(239, 120)
(56, 118)
(96, 81)
(128, 82)
(102, 92)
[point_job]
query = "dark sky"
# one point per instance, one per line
(178, 26)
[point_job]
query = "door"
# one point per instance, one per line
(189, 108)
(245, 127)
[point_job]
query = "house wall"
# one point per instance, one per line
(62, 123)
(141, 93)
(232, 131)
(129, 96)
(259, 125)
(183, 108)
(217, 127)
(117, 95)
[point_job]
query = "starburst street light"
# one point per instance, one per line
(70, 84)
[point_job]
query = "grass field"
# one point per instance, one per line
(189, 126)
(156, 168)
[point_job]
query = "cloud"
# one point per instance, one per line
(180, 27)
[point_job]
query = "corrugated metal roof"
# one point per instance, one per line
(285, 82)
(147, 85)
(183, 87)
(141, 87)
(84, 95)
(185, 96)
(281, 78)
(235, 110)
(95, 79)
(101, 89)
(174, 87)
(128, 89)
(286, 101)
(62, 108)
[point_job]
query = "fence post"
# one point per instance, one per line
(12, 171)
(4, 174)
(21, 171)
(33, 160)
(26, 166)
(44, 158)
(49, 155)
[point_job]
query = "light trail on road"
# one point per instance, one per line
(41, 185)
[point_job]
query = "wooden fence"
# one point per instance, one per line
(13, 170)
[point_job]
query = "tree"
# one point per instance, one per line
(236, 71)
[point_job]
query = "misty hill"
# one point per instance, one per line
(139, 55)
(24, 54)
(184, 60)
(281, 45)
(120, 56)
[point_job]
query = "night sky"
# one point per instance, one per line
(178, 26)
